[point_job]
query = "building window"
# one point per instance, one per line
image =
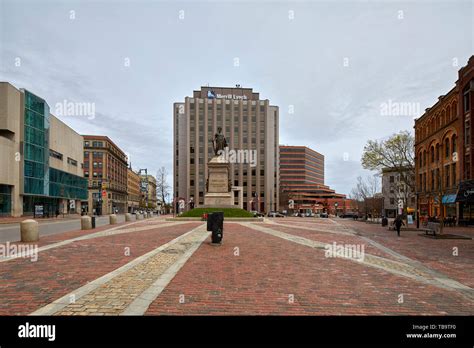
(446, 171)
(55, 154)
(467, 132)
(454, 173)
(446, 148)
(392, 178)
(466, 101)
(392, 200)
(72, 161)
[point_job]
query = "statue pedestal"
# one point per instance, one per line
(218, 193)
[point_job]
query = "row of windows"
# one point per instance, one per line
(95, 154)
(449, 179)
(87, 143)
(450, 147)
(437, 122)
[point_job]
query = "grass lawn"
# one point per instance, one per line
(228, 212)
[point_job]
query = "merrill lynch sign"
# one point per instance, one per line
(212, 95)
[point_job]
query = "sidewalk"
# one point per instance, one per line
(66, 217)
(13, 220)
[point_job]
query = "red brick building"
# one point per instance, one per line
(465, 90)
(443, 160)
(105, 165)
(302, 186)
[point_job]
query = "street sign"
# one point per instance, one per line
(291, 204)
(72, 204)
(104, 185)
(104, 193)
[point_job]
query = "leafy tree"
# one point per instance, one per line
(397, 153)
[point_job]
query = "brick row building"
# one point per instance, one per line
(443, 156)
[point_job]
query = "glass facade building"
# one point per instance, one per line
(42, 184)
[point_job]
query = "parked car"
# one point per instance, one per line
(348, 215)
(275, 214)
(257, 214)
(324, 215)
(308, 214)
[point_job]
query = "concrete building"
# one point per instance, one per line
(250, 126)
(302, 183)
(394, 190)
(133, 190)
(105, 166)
(41, 168)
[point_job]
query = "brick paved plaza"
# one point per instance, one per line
(279, 266)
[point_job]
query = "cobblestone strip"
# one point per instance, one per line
(438, 276)
(392, 266)
(105, 233)
(344, 230)
(116, 293)
(73, 298)
(140, 305)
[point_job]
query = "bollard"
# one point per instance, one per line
(86, 223)
(149, 215)
(128, 217)
(139, 216)
(113, 219)
(29, 231)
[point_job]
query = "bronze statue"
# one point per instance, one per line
(219, 143)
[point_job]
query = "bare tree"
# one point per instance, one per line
(365, 189)
(162, 186)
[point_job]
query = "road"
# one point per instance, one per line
(11, 232)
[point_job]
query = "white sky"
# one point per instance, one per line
(295, 62)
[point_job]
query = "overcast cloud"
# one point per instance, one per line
(333, 63)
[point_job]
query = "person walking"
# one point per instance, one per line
(398, 224)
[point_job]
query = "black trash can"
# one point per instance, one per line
(215, 224)
(93, 221)
(384, 221)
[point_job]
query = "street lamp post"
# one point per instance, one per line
(146, 186)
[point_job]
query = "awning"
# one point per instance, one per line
(449, 199)
(466, 192)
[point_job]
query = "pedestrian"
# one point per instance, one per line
(398, 224)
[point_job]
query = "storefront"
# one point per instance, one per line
(449, 204)
(465, 198)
